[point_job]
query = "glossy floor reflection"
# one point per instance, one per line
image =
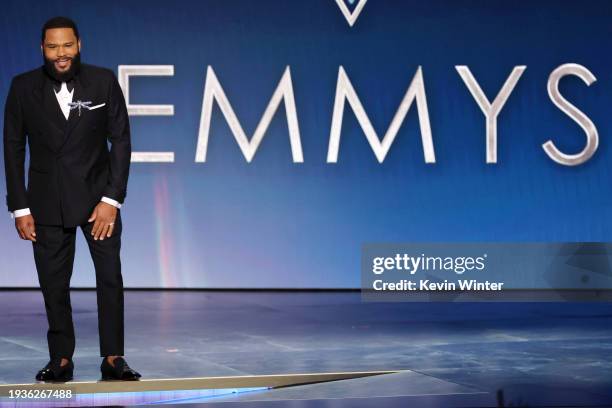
(453, 354)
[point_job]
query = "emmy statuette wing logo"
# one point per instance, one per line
(351, 9)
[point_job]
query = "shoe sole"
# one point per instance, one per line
(60, 380)
(111, 378)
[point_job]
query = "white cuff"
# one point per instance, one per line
(110, 201)
(20, 213)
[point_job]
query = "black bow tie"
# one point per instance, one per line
(58, 85)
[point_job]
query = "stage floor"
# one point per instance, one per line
(438, 354)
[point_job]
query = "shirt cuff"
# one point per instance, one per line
(110, 201)
(20, 213)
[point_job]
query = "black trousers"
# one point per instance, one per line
(54, 257)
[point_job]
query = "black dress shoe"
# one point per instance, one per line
(121, 370)
(54, 372)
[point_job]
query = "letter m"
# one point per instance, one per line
(345, 91)
(214, 92)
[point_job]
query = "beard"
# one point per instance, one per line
(75, 65)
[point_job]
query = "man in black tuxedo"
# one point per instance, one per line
(69, 111)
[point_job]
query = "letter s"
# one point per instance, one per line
(570, 110)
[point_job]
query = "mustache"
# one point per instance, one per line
(52, 60)
(59, 59)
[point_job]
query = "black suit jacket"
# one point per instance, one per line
(71, 167)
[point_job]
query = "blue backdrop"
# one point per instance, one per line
(275, 223)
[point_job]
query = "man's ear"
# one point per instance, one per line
(79, 44)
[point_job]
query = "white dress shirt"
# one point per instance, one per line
(63, 98)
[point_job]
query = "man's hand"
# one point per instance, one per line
(25, 227)
(104, 216)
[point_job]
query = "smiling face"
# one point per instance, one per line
(60, 48)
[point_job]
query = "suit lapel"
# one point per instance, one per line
(48, 105)
(80, 94)
(52, 107)
(74, 115)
